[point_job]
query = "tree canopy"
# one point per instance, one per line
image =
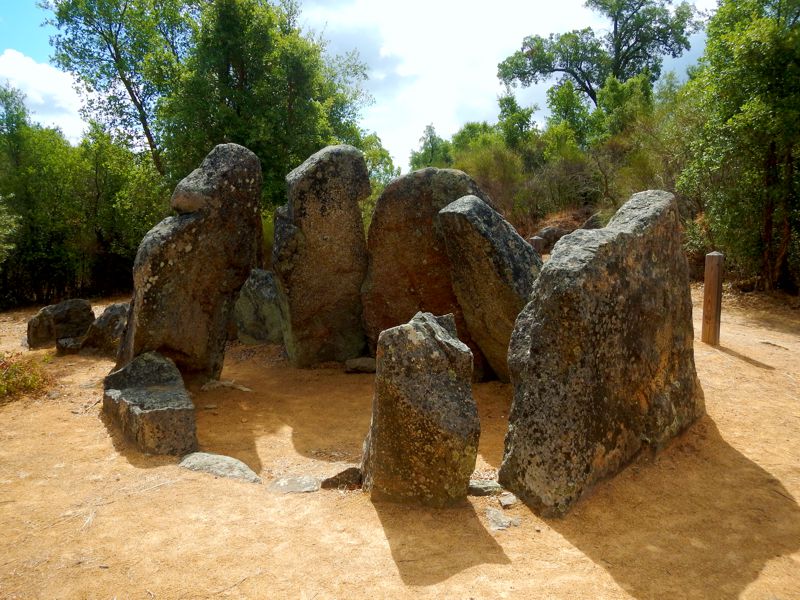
(640, 33)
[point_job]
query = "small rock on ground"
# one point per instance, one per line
(294, 485)
(219, 466)
(507, 500)
(498, 521)
(484, 487)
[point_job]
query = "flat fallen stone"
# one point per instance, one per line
(219, 466)
(294, 485)
(364, 364)
(499, 521)
(147, 400)
(484, 487)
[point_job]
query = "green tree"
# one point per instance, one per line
(743, 165)
(126, 54)
(641, 32)
(434, 151)
(567, 106)
(252, 78)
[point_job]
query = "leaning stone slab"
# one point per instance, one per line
(258, 311)
(601, 358)
(147, 400)
(493, 270)
(320, 257)
(409, 269)
(219, 466)
(189, 268)
(68, 319)
(423, 438)
(106, 331)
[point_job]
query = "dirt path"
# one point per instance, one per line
(83, 516)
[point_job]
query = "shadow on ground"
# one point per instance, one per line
(699, 521)
(431, 545)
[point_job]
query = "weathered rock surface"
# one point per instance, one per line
(409, 270)
(258, 312)
(147, 400)
(423, 438)
(190, 267)
(219, 465)
(68, 319)
(499, 521)
(484, 487)
(550, 235)
(320, 257)
(493, 270)
(106, 331)
(601, 358)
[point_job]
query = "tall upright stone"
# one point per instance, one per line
(601, 358)
(423, 438)
(190, 267)
(493, 272)
(320, 259)
(409, 269)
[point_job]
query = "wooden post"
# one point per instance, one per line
(712, 298)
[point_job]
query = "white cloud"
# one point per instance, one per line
(49, 93)
(441, 56)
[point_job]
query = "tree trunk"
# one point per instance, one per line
(770, 185)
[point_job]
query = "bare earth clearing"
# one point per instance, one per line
(83, 516)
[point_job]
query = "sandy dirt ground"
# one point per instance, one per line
(82, 515)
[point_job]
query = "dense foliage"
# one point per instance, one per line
(725, 141)
(163, 81)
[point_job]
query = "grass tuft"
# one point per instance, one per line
(20, 374)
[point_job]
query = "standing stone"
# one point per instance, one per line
(409, 270)
(147, 400)
(493, 272)
(423, 438)
(190, 267)
(68, 319)
(601, 358)
(320, 257)
(105, 333)
(258, 313)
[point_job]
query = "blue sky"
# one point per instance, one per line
(429, 62)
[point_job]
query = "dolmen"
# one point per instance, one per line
(187, 275)
(423, 439)
(320, 257)
(601, 357)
